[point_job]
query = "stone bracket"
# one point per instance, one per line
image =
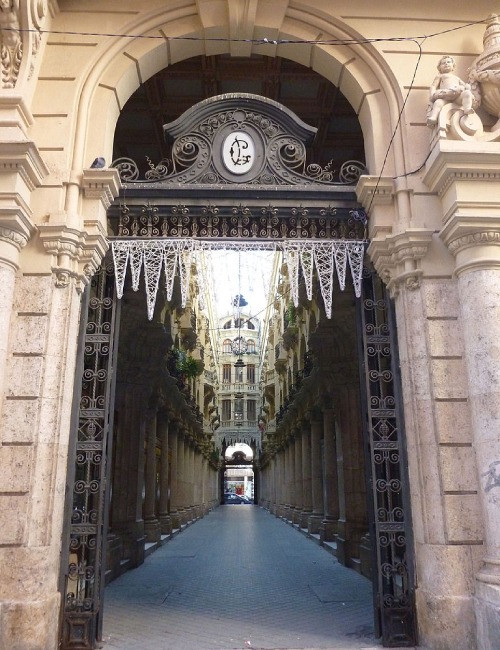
(397, 258)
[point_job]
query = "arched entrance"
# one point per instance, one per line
(243, 148)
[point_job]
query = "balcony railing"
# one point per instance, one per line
(239, 388)
(239, 424)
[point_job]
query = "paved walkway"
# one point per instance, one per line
(239, 578)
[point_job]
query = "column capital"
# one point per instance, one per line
(75, 253)
(465, 175)
(397, 258)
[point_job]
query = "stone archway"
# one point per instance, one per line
(157, 236)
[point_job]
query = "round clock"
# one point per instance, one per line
(239, 345)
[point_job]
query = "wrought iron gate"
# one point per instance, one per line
(387, 467)
(88, 478)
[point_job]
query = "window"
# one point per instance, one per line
(251, 373)
(226, 409)
(227, 325)
(251, 346)
(226, 373)
(239, 322)
(226, 346)
(250, 325)
(251, 410)
(238, 409)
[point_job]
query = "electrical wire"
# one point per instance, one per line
(256, 41)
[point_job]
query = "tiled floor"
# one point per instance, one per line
(239, 578)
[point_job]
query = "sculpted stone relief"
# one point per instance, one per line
(15, 40)
(453, 102)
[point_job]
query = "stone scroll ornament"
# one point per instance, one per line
(462, 110)
(11, 52)
(169, 257)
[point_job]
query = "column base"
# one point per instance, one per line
(328, 530)
(304, 518)
(365, 556)
(296, 514)
(152, 530)
(165, 524)
(175, 519)
(487, 609)
(313, 524)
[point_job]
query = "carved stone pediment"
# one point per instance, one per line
(239, 138)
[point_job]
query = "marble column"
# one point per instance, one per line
(299, 488)
(316, 517)
(306, 475)
(328, 527)
(163, 513)
(151, 523)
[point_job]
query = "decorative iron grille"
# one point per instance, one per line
(84, 582)
(384, 438)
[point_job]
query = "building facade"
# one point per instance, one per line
(432, 200)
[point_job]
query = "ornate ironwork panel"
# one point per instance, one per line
(87, 529)
(236, 222)
(387, 464)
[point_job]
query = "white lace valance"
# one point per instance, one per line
(177, 255)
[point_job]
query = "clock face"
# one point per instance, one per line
(239, 345)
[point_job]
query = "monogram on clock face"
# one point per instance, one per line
(239, 345)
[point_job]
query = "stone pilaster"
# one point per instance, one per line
(467, 183)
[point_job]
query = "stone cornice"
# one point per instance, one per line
(475, 242)
(371, 190)
(397, 258)
(24, 158)
(101, 184)
(452, 161)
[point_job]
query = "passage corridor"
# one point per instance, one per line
(239, 578)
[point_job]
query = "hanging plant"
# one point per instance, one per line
(290, 315)
(188, 366)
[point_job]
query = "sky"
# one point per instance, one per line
(247, 273)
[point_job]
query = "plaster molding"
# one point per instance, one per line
(397, 258)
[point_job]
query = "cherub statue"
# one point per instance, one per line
(446, 88)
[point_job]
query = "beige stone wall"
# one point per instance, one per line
(61, 114)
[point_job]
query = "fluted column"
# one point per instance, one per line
(306, 475)
(163, 513)
(316, 473)
(328, 526)
(151, 523)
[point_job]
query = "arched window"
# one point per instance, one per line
(250, 325)
(226, 346)
(227, 325)
(251, 346)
